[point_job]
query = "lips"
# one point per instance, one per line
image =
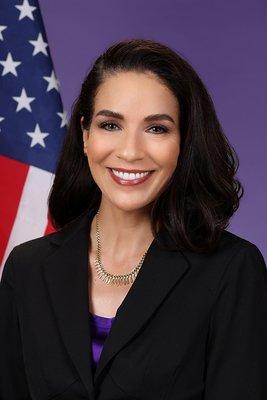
(132, 182)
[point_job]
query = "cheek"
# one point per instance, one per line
(97, 149)
(171, 161)
(167, 155)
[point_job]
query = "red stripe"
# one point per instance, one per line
(49, 226)
(13, 175)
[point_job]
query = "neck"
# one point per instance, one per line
(124, 235)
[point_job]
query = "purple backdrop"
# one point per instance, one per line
(223, 41)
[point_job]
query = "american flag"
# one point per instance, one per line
(32, 124)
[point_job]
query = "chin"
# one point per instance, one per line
(130, 206)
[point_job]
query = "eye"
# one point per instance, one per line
(163, 129)
(105, 124)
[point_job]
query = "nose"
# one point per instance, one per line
(130, 147)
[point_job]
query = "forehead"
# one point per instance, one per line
(136, 93)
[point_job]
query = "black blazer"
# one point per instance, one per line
(191, 327)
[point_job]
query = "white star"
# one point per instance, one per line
(53, 83)
(25, 10)
(23, 101)
(63, 117)
(1, 119)
(2, 28)
(37, 136)
(9, 65)
(39, 45)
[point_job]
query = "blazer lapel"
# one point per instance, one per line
(66, 273)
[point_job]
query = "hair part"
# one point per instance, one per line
(203, 192)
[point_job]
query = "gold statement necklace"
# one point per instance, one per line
(106, 276)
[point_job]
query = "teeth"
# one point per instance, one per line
(129, 176)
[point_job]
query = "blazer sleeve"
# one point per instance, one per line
(237, 346)
(13, 383)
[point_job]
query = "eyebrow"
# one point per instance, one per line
(152, 117)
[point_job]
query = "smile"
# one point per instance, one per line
(129, 179)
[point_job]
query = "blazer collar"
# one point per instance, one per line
(66, 275)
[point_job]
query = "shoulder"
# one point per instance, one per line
(233, 258)
(245, 266)
(42, 246)
(232, 246)
(229, 247)
(37, 247)
(238, 247)
(24, 258)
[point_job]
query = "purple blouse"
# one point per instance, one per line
(100, 327)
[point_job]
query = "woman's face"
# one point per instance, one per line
(126, 134)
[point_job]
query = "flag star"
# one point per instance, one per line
(2, 28)
(53, 83)
(9, 65)
(23, 101)
(37, 136)
(63, 117)
(39, 45)
(1, 119)
(25, 10)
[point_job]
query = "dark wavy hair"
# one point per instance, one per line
(203, 192)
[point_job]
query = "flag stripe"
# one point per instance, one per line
(31, 218)
(13, 176)
(49, 227)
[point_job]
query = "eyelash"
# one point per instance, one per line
(165, 130)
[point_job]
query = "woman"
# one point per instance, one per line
(141, 293)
